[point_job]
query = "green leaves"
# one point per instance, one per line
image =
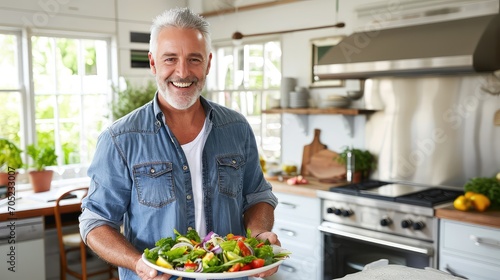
(10, 155)
(42, 156)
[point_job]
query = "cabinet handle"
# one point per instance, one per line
(288, 205)
(288, 232)
(485, 241)
(288, 268)
(454, 273)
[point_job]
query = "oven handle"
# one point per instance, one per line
(425, 251)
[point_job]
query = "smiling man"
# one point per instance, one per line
(179, 162)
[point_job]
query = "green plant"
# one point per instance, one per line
(489, 186)
(42, 156)
(10, 155)
(125, 101)
(364, 161)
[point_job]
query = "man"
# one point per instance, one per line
(179, 162)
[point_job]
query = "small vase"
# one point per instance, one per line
(41, 180)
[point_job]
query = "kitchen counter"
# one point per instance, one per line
(308, 189)
(489, 218)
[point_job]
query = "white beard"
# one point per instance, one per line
(179, 102)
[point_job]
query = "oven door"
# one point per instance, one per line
(348, 249)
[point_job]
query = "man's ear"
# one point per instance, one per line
(209, 63)
(152, 63)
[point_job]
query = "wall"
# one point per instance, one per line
(296, 62)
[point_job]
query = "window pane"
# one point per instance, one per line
(9, 70)
(71, 95)
(10, 116)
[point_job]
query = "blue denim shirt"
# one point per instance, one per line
(140, 177)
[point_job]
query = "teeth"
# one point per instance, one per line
(182, 85)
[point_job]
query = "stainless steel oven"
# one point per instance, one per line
(375, 220)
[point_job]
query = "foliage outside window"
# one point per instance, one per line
(69, 97)
(246, 78)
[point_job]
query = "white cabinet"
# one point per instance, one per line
(296, 222)
(469, 250)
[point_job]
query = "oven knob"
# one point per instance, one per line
(406, 223)
(330, 210)
(385, 222)
(418, 225)
(347, 213)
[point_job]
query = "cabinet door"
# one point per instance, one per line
(468, 268)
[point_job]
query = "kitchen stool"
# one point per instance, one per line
(73, 242)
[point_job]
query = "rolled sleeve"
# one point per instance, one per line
(266, 195)
(90, 220)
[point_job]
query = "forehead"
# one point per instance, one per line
(173, 39)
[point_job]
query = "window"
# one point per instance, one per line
(11, 89)
(71, 89)
(247, 78)
(68, 98)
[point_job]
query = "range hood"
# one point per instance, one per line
(457, 46)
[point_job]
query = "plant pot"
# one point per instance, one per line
(6, 178)
(41, 180)
(357, 177)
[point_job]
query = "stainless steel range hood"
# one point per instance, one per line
(458, 46)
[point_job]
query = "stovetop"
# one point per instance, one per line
(402, 193)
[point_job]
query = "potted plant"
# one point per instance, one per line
(364, 162)
(10, 161)
(40, 177)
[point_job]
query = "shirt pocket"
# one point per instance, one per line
(154, 183)
(230, 174)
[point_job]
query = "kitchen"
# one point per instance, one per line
(337, 131)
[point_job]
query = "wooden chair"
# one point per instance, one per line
(73, 242)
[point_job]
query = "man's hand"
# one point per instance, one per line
(148, 273)
(273, 239)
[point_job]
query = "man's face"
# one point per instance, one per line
(180, 65)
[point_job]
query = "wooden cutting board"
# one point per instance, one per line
(323, 165)
(310, 150)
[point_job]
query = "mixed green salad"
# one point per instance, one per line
(213, 254)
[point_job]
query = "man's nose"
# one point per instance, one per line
(182, 69)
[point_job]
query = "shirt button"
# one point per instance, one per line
(152, 170)
(190, 228)
(185, 167)
(234, 162)
(189, 197)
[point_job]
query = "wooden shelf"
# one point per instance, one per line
(318, 111)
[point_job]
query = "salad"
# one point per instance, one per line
(213, 254)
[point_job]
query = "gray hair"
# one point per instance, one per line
(180, 18)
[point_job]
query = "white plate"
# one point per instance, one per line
(223, 275)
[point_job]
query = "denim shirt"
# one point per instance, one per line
(140, 178)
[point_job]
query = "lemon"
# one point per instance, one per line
(163, 263)
(480, 202)
(462, 203)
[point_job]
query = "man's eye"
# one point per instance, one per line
(195, 60)
(169, 59)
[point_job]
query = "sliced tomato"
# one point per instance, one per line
(243, 248)
(191, 266)
(246, 267)
(235, 267)
(257, 263)
(231, 236)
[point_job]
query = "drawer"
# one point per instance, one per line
(479, 242)
(469, 268)
(296, 270)
(306, 209)
(300, 233)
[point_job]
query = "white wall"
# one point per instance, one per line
(297, 63)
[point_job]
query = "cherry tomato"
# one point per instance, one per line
(243, 248)
(246, 267)
(235, 267)
(189, 265)
(257, 263)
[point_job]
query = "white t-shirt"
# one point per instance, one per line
(193, 151)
